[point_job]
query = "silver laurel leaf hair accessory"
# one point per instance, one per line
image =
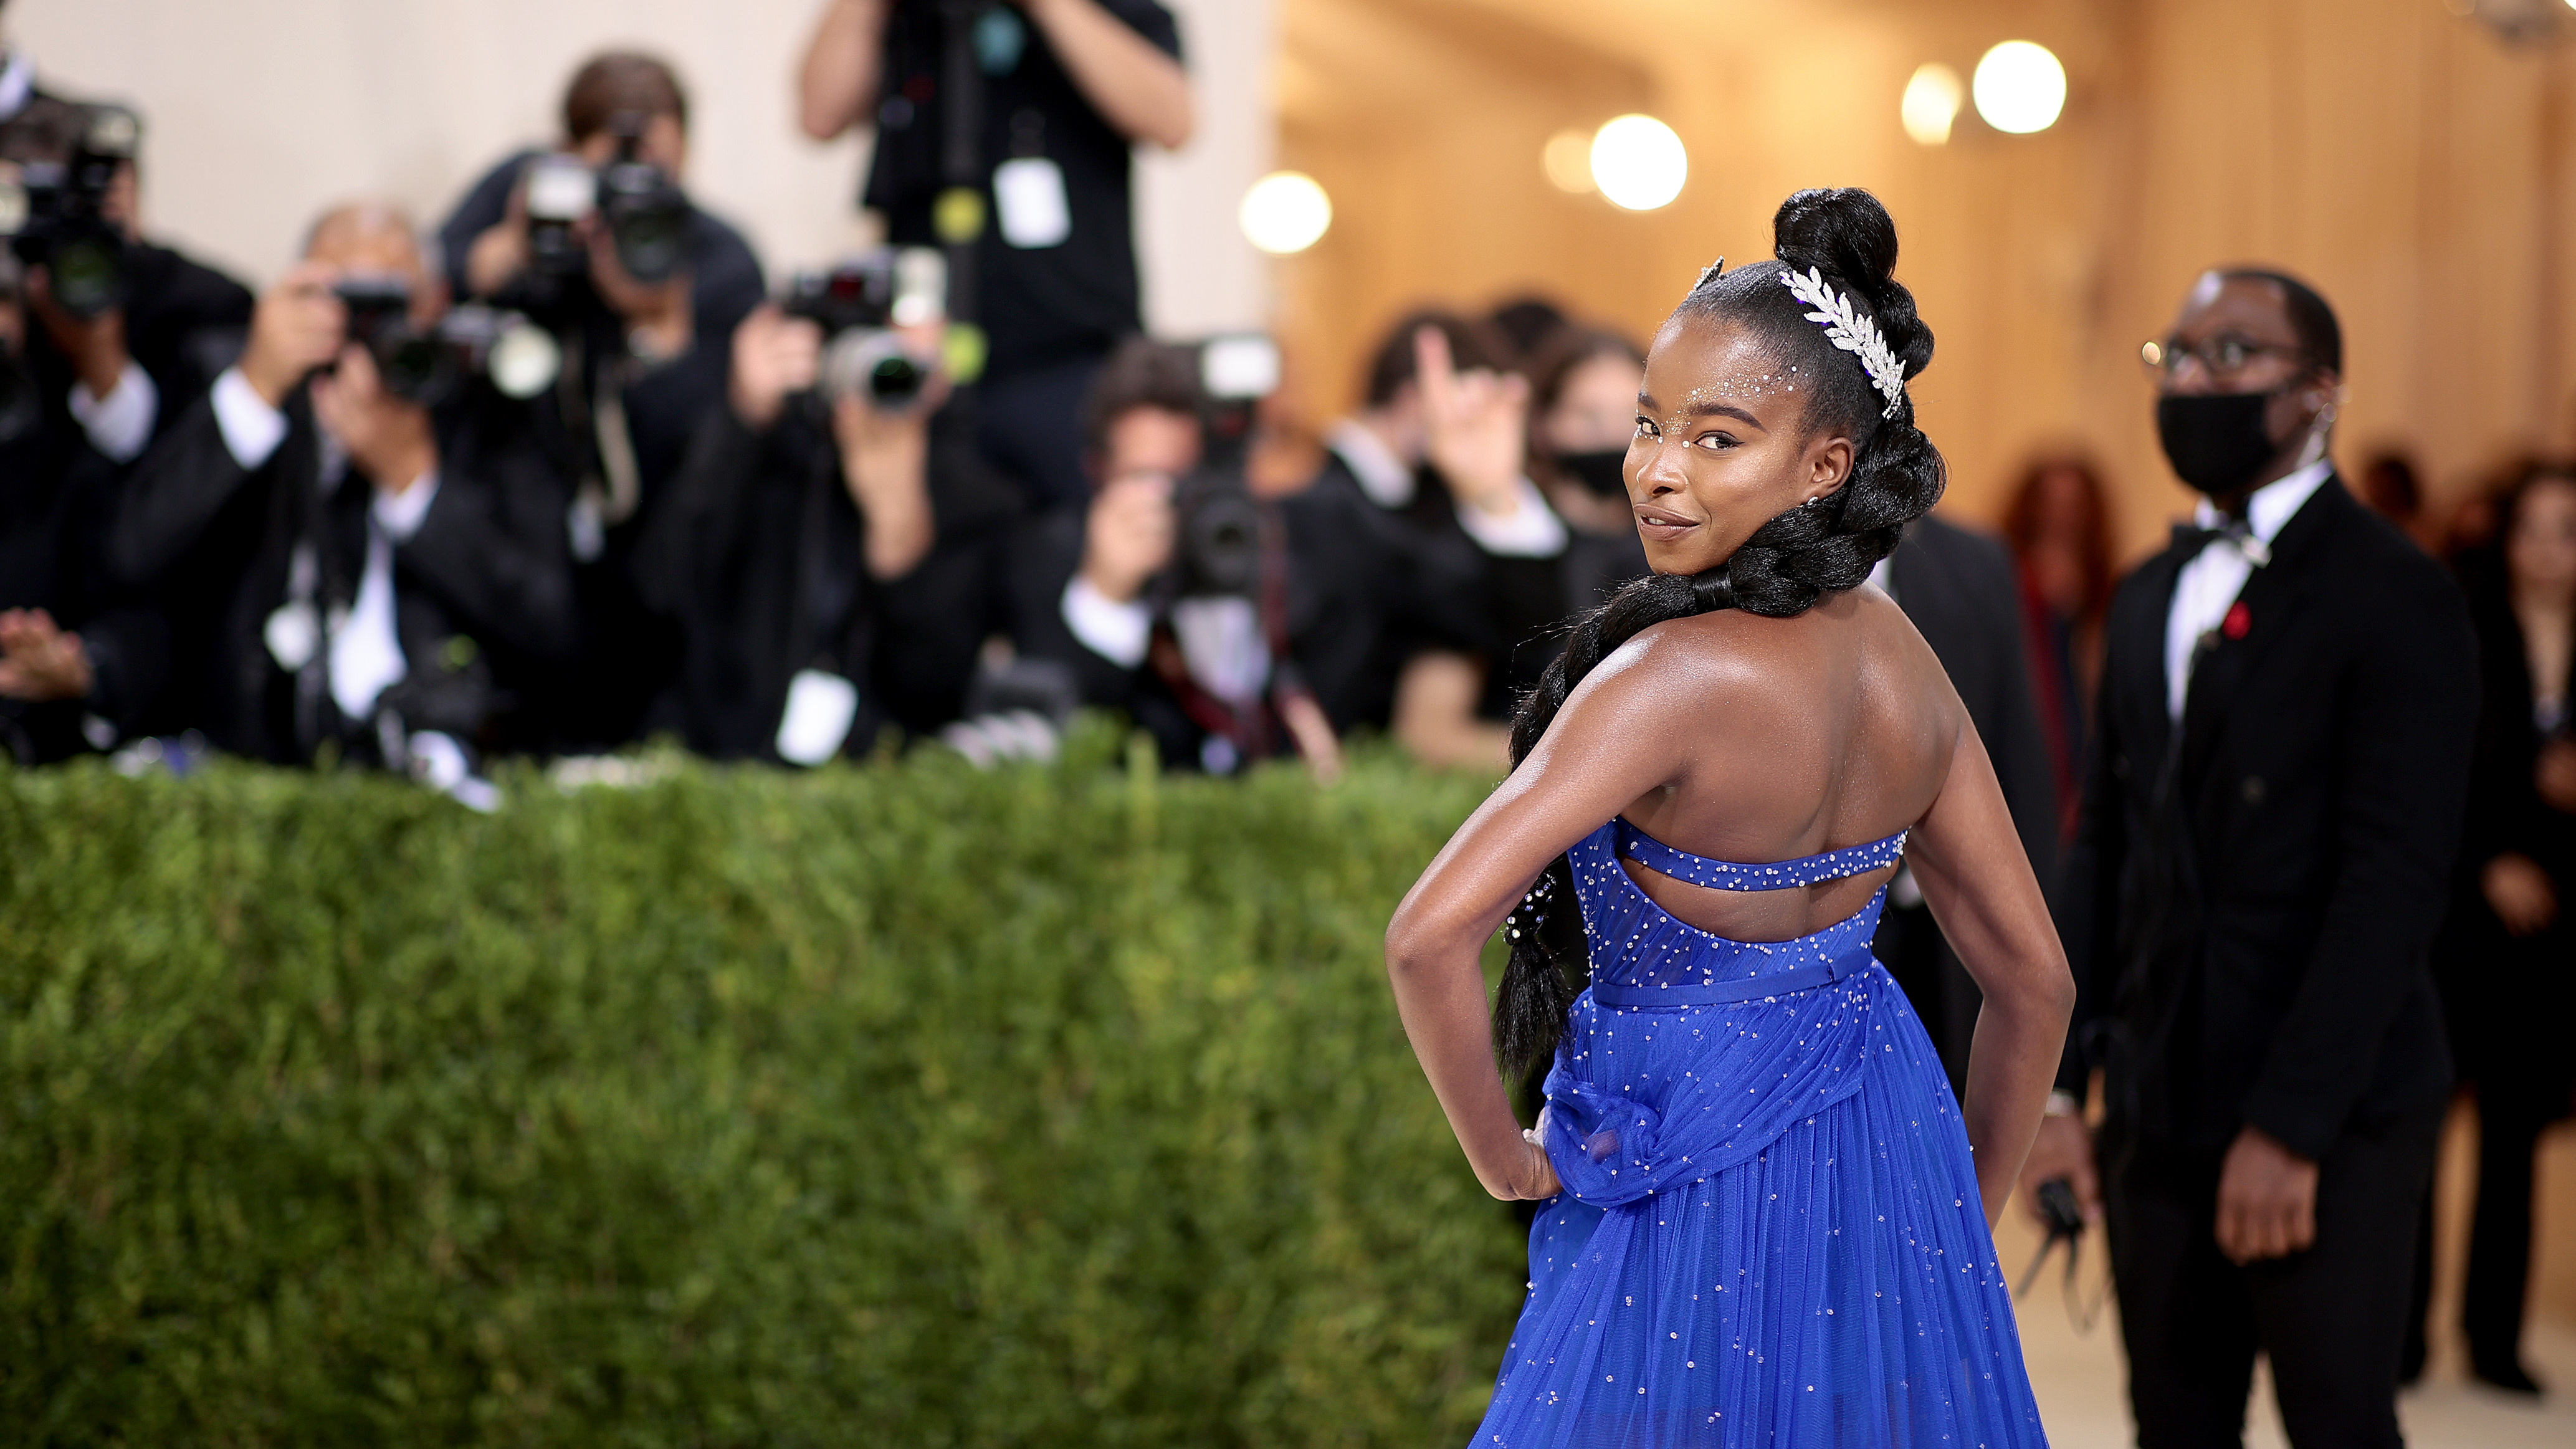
(1850, 329)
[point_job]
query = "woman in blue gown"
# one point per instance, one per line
(1765, 1220)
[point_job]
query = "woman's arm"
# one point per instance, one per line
(1141, 92)
(837, 83)
(1610, 744)
(1969, 861)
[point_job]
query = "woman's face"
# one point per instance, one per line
(1722, 444)
(2541, 549)
(1595, 409)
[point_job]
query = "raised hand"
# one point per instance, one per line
(388, 437)
(297, 328)
(1128, 536)
(773, 355)
(1475, 425)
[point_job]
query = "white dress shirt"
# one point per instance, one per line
(2208, 585)
(366, 656)
(1530, 529)
(120, 423)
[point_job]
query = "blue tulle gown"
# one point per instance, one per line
(1770, 1233)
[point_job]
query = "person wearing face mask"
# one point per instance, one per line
(344, 566)
(2288, 701)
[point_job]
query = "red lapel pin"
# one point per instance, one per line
(2238, 620)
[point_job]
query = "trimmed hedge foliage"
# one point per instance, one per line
(901, 1104)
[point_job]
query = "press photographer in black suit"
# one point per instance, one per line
(344, 566)
(2266, 846)
(1055, 94)
(1187, 606)
(646, 358)
(95, 370)
(827, 560)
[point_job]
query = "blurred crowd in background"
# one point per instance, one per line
(570, 468)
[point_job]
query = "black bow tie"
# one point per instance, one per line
(2190, 538)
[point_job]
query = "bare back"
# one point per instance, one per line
(1827, 730)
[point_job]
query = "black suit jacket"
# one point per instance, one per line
(757, 556)
(1959, 589)
(2252, 892)
(482, 592)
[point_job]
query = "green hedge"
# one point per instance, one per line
(900, 1104)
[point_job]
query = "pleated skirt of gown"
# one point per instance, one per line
(1784, 1244)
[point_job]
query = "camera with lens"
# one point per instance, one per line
(427, 365)
(858, 305)
(1219, 524)
(643, 210)
(55, 212)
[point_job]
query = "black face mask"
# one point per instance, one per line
(2216, 441)
(1601, 472)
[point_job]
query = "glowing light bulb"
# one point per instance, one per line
(1285, 212)
(2020, 87)
(1567, 158)
(1638, 162)
(1932, 100)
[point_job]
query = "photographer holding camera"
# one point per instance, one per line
(80, 660)
(107, 338)
(597, 239)
(1024, 113)
(825, 551)
(359, 545)
(1175, 597)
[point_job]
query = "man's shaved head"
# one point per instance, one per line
(367, 236)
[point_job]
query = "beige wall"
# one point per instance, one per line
(262, 111)
(2396, 154)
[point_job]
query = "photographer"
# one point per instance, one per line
(826, 549)
(646, 288)
(1174, 596)
(80, 660)
(346, 567)
(131, 333)
(1044, 98)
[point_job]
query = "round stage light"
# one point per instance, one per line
(1931, 103)
(1285, 212)
(1638, 162)
(2020, 87)
(1567, 159)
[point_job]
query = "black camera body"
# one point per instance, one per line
(858, 304)
(641, 206)
(428, 366)
(56, 213)
(1218, 550)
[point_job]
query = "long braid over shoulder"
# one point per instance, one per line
(1787, 565)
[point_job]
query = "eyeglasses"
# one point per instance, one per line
(2220, 356)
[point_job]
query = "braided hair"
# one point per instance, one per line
(1790, 562)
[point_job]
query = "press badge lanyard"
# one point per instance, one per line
(822, 701)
